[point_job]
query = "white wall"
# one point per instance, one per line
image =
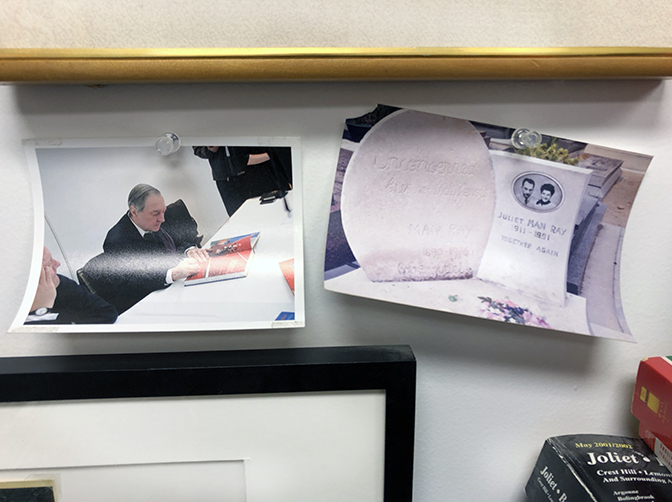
(310, 23)
(488, 393)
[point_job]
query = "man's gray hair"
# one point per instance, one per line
(138, 196)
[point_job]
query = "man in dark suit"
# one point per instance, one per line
(139, 255)
(60, 300)
(528, 189)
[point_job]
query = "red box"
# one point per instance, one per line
(652, 400)
(659, 445)
(652, 404)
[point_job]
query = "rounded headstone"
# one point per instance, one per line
(418, 198)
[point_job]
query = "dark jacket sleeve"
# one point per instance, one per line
(240, 156)
(224, 167)
(203, 152)
(75, 305)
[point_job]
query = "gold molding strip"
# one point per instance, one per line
(97, 66)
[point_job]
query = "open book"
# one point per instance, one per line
(230, 258)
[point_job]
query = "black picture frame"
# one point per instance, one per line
(265, 371)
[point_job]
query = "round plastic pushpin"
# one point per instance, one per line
(524, 138)
(168, 143)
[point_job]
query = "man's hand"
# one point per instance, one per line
(213, 148)
(46, 289)
(185, 268)
(198, 254)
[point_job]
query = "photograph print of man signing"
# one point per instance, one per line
(138, 243)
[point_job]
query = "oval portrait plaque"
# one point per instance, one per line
(537, 192)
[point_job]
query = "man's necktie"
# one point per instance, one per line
(163, 237)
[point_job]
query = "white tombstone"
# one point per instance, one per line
(537, 205)
(418, 198)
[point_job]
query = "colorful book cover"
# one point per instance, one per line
(285, 316)
(233, 244)
(287, 268)
(230, 258)
(652, 399)
(595, 467)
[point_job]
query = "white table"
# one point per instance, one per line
(254, 301)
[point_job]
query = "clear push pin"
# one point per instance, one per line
(524, 138)
(168, 143)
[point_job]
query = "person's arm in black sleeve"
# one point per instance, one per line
(74, 304)
(205, 152)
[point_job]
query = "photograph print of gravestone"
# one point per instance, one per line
(445, 213)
